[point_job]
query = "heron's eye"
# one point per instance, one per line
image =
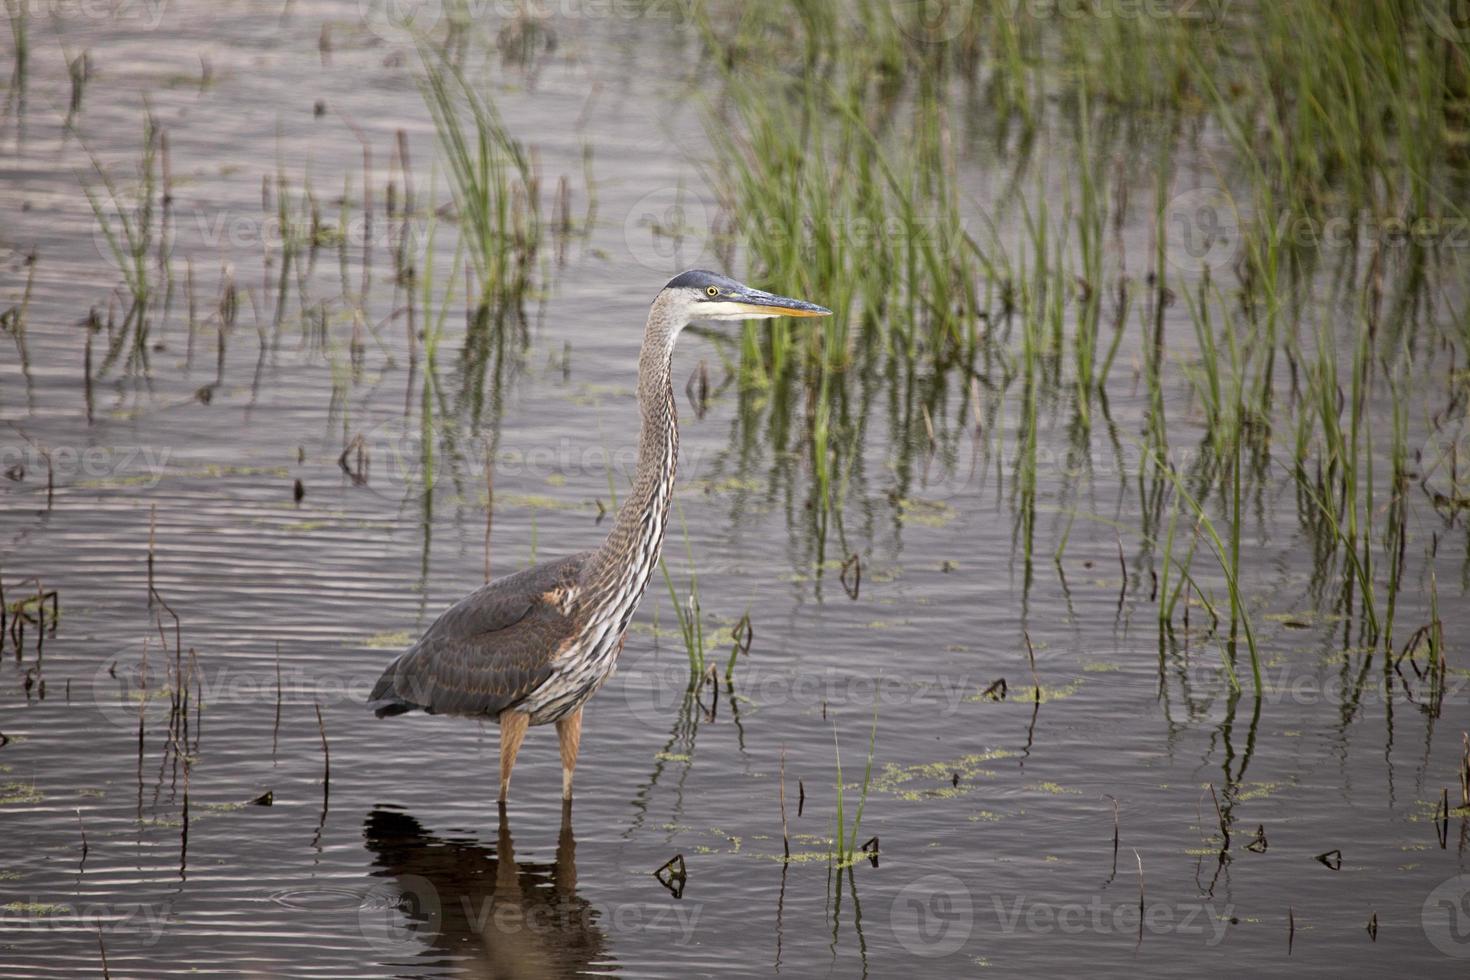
(713, 290)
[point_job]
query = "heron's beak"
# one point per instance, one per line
(757, 302)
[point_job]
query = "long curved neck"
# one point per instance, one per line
(628, 556)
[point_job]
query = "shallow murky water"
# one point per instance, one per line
(995, 819)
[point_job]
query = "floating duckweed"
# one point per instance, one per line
(938, 777)
(1304, 619)
(222, 807)
(397, 638)
(801, 857)
(928, 513)
(122, 482)
(19, 793)
(34, 908)
(1027, 694)
(531, 501)
(1425, 811)
(164, 823)
(1055, 789)
(724, 843)
(216, 470)
(1256, 791)
(590, 395)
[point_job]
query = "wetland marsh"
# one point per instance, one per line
(1087, 591)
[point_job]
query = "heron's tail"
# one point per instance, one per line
(388, 709)
(384, 700)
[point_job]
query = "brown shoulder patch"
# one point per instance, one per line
(559, 598)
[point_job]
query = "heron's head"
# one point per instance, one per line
(701, 295)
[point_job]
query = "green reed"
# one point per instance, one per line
(131, 242)
(1090, 374)
(1228, 558)
(138, 241)
(18, 13)
(844, 201)
(688, 612)
(1395, 534)
(856, 115)
(691, 623)
(496, 189)
(845, 848)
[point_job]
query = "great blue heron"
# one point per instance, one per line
(532, 647)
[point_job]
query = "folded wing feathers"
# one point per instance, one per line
(488, 651)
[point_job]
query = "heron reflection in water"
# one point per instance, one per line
(532, 647)
(494, 916)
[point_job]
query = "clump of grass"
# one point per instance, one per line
(1229, 560)
(845, 849)
(132, 230)
(831, 192)
(130, 238)
(824, 204)
(1313, 137)
(302, 233)
(691, 625)
(691, 619)
(496, 190)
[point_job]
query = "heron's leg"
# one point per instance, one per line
(569, 734)
(512, 731)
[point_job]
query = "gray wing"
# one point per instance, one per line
(488, 651)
